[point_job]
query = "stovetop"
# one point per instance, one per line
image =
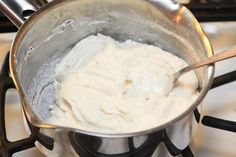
(204, 10)
(220, 102)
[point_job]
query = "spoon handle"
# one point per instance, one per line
(215, 58)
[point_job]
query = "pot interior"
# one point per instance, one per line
(49, 34)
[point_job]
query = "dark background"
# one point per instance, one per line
(204, 10)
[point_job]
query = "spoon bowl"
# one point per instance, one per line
(215, 58)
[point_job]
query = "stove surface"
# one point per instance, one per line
(220, 102)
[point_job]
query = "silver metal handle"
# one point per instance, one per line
(216, 58)
(15, 10)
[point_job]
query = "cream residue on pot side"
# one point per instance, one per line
(107, 86)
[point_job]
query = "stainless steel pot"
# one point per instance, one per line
(54, 28)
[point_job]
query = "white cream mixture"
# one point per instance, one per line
(112, 87)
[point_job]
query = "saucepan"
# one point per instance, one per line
(54, 28)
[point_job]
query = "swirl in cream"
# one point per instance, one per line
(118, 87)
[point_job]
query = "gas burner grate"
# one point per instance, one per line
(213, 10)
(87, 146)
(219, 123)
(9, 148)
(204, 10)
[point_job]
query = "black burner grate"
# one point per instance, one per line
(86, 146)
(217, 122)
(9, 148)
(213, 10)
(204, 10)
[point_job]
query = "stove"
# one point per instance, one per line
(215, 136)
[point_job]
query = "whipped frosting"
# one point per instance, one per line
(107, 86)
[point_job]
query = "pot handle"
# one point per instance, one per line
(18, 10)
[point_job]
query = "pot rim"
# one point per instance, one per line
(36, 121)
